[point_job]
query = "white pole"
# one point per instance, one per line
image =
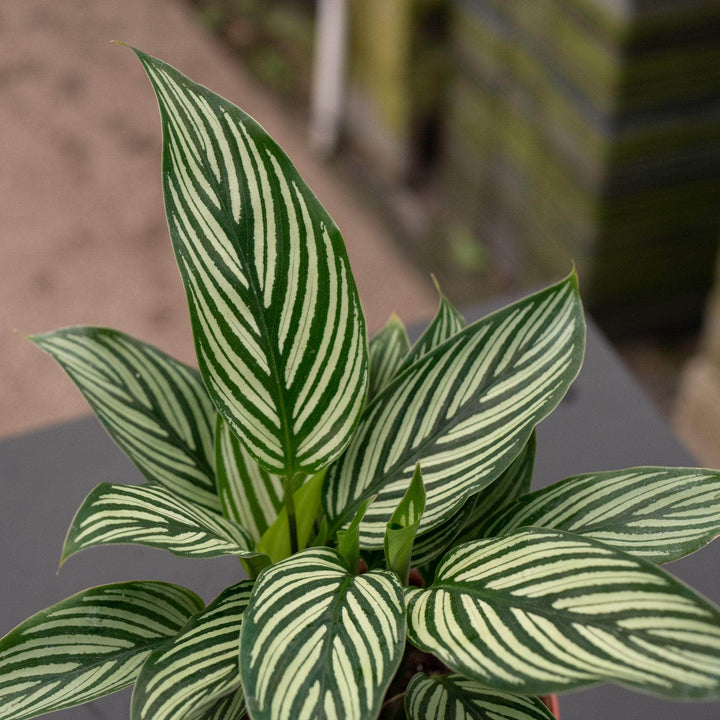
(328, 74)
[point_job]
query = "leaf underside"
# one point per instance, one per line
(278, 329)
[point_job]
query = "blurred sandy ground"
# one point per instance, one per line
(83, 235)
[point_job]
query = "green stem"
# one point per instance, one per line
(290, 508)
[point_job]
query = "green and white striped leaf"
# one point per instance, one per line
(88, 645)
(154, 407)
(151, 515)
(464, 524)
(386, 351)
(278, 328)
(513, 483)
(447, 322)
(250, 496)
(464, 410)
(319, 643)
(199, 669)
(660, 514)
(541, 611)
(454, 697)
(231, 707)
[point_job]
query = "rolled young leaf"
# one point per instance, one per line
(454, 697)
(660, 514)
(250, 496)
(319, 642)
(198, 669)
(150, 515)
(464, 410)
(154, 407)
(88, 645)
(403, 526)
(348, 539)
(278, 328)
(541, 611)
(386, 351)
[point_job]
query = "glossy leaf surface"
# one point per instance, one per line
(279, 333)
(87, 646)
(541, 611)
(198, 670)
(319, 642)
(464, 411)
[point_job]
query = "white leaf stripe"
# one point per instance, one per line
(188, 676)
(249, 495)
(150, 515)
(231, 707)
(278, 329)
(540, 611)
(454, 697)
(433, 543)
(88, 645)
(513, 483)
(660, 514)
(446, 323)
(319, 643)
(465, 410)
(386, 352)
(154, 407)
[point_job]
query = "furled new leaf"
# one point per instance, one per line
(250, 496)
(454, 697)
(464, 410)
(275, 542)
(88, 645)
(348, 539)
(403, 526)
(151, 515)
(386, 351)
(319, 642)
(278, 328)
(541, 611)
(446, 323)
(198, 669)
(154, 407)
(660, 514)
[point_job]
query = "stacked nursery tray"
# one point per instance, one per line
(590, 130)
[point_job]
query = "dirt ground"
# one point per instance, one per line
(83, 235)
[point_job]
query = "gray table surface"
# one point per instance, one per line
(604, 423)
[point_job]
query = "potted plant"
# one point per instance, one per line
(376, 493)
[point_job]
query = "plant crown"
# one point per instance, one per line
(332, 466)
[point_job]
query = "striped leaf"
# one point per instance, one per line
(319, 643)
(231, 707)
(464, 410)
(513, 483)
(87, 646)
(540, 611)
(386, 351)
(155, 408)
(660, 514)
(151, 515)
(250, 496)
(278, 328)
(454, 697)
(464, 524)
(446, 323)
(198, 670)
